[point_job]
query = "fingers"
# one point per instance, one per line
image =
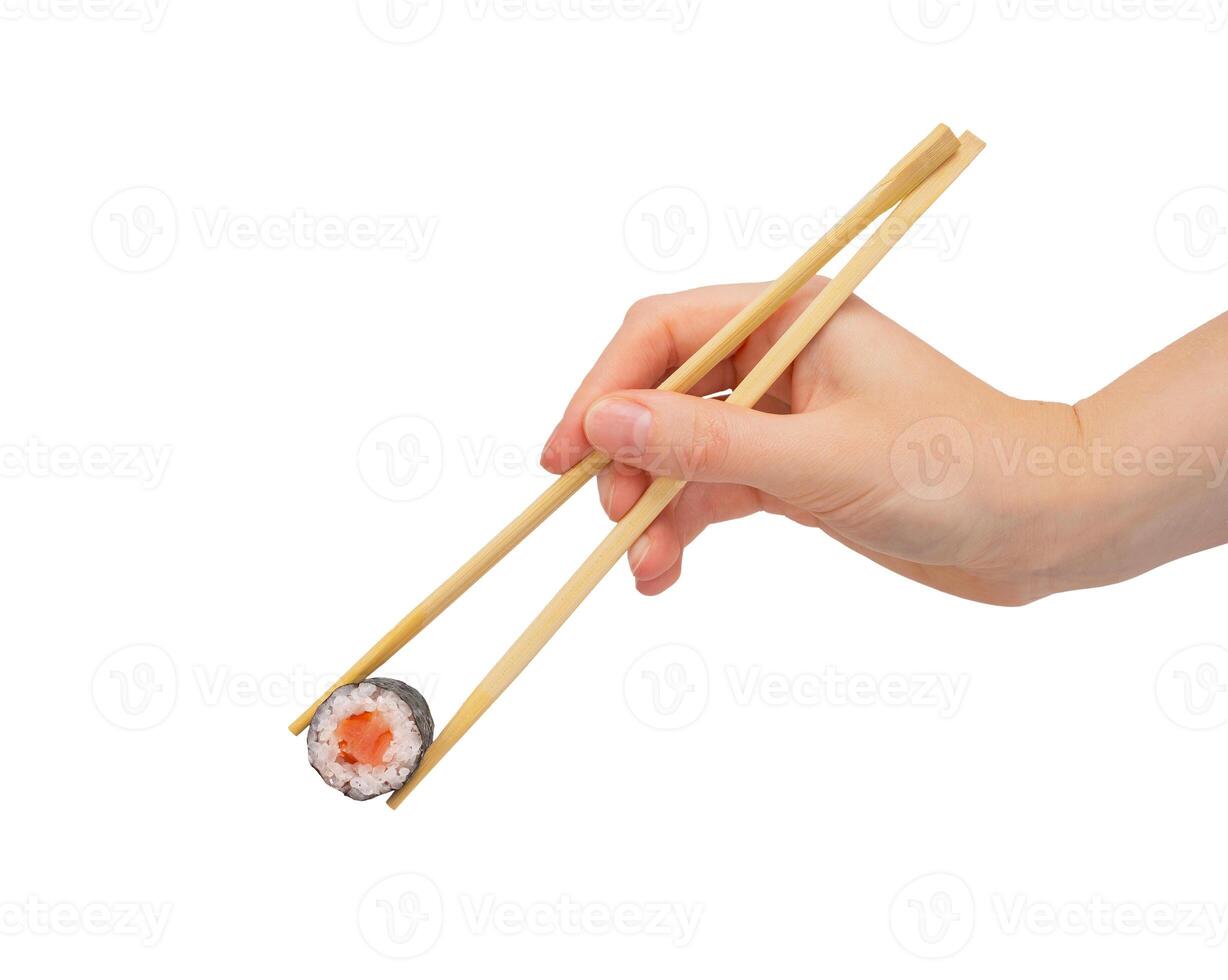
(656, 586)
(657, 551)
(656, 557)
(659, 548)
(657, 564)
(704, 440)
(619, 488)
(657, 335)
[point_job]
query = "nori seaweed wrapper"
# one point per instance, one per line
(412, 698)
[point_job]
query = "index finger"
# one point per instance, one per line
(658, 334)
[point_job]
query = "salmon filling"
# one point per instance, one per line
(366, 739)
(363, 739)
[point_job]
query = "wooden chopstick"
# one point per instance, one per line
(662, 490)
(915, 167)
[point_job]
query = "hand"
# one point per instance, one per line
(872, 436)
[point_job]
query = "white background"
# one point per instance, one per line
(164, 620)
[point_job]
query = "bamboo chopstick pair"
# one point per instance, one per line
(911, 187)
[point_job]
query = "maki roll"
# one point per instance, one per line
(367, 739)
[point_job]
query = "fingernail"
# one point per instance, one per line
(549, 446)
(607, 494)
(617, 426)
(637, 554)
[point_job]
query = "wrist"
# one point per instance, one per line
(1036, 507)
(1065, 497)
(1107, 496)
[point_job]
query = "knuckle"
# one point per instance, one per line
(709, 445)
(647, 328)
(644, 310)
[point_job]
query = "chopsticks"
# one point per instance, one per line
(662, 490)
(919, 164)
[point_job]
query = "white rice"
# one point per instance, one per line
(362, 782)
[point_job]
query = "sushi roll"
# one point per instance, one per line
(367, 739)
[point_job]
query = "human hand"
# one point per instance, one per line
(870, 436)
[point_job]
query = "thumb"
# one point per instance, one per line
(700, 439)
